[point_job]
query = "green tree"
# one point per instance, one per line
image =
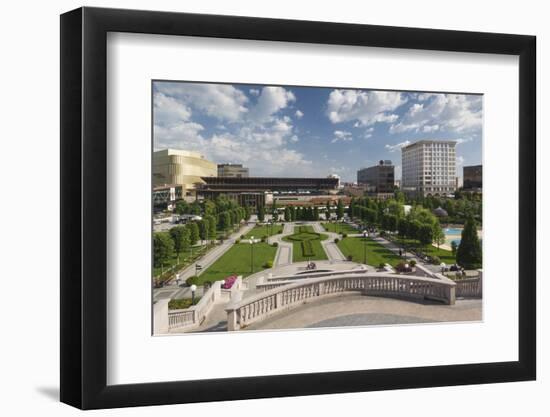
(425, 234)
(163, 248)
(193, 232)
(454, 247)
(287, 214)
(261, 213)
(195, 207)
(469, 254)
(182, 207)
(209, 208)
(340, 209)
(438, 234)
(225, 220)
(204, 224)
(211, 227)
(315, 213)
(329, 209)
(180, 236)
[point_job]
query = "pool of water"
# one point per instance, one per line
(452, 235)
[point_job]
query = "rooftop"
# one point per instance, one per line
(428, 141)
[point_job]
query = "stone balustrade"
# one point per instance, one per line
(470, 287)
(192, 317)
(312, 274)
(284, 297)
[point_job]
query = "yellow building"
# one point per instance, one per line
(174, 166)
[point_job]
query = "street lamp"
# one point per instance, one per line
(365, 235)
(193, 289)
(251, 254)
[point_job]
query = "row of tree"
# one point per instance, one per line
(218, 215)
(294, 213)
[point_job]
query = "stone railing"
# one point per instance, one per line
(311, 274)
(470, 287)
(256, 308)
(192, 317)
(166, 320)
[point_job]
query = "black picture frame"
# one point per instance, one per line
(84, 207)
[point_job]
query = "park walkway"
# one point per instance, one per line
(331, 249)
(284, 249)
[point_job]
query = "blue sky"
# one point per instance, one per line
(310, 131)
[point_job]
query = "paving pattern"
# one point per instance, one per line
(359, 310)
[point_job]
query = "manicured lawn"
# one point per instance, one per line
(236, 261)
(185, 258)
(339, 228)
(261, 231)
(443, 254)
(376, 253)
(312, 250)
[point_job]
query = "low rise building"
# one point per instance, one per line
(232, 170)
(180, 167)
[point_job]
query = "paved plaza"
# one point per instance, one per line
(358, 310)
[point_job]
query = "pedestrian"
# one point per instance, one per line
(400, 252)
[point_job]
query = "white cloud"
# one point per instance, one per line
(224, 102)
(459, 160)
(184, 135)
(449, 112)
(342, 135)
(460, 141)
(254, 92)
(271, 100)
(299, 114)
(397, 146)
(169, 111)
(365, 107)
(294, 138)
(430, 128)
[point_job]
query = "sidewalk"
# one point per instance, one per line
(172, 290)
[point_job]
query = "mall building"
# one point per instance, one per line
(184, 168)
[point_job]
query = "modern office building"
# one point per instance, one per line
(179, 167)
(472, 177)
(261, 191)
(429, 167)
(379, 179)
(232, 170)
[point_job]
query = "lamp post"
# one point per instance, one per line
(365, 235)
(251, 254)
(193, 289)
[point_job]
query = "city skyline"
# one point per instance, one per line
(310, 131)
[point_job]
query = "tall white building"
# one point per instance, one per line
(429, 167)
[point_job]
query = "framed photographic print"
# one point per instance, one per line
(258, 208)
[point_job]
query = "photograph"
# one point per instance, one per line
(280, 207)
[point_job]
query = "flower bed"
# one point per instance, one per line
(229, 281)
